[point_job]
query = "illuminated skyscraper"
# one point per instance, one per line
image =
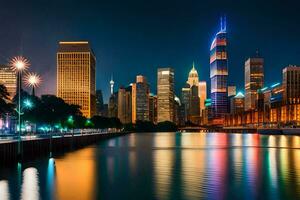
(291, 84)
(76, 76)
(202, 95)
(140, 99)
(124, 105)
(219, 73)
(254, 80)
(165, 94)
(193, 78)
(9, 79)
(237, 103)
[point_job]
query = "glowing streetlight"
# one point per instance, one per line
(32, 80)
(19, 64)
(28, 104)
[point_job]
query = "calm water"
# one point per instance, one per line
(164, 166)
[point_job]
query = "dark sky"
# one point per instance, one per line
(135, 37)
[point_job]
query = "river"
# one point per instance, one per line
(164, 166)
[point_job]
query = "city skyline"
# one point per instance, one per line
(189, 41)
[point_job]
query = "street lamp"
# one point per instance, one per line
(32, 80)
(19, 64)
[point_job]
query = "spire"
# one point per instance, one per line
(193, 65)
(223, 23)
(111, 85)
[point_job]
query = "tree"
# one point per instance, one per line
(166, 126)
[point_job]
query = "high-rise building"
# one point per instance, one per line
(193, 78)
(165, 94)
(291, 94)
(186, 100)
(140, 99)
(113, 105)
(231, 90)
(124, 105)
(237, 103)
(219, 74)
(99, 102)
(291, 84)
(194, 111)
(76, 75)
(9, 79)
(202, 95)
(153, 108)
(254, 80)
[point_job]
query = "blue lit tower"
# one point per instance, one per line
(219, 74)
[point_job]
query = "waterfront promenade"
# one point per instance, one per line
(33, 146)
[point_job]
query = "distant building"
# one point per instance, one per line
(291, 84)
(99, 102)
(186, 100)
(291, 94)
(194, 111)
(153, 108)
(202, 94)
(165, 94)
(254, 80)
(231, 90)
(124, 105)
(113, 105)
(140, 99)
(9, 79)
(76, 64)
(237, 103)
(219, 74)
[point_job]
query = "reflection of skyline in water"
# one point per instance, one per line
(165, 166)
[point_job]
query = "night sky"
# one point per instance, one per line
(136, 37)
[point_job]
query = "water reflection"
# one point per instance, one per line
(30, 186)
(165, 166)
(4, 190)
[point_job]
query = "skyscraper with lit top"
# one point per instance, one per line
(76, 77)
(219, 74)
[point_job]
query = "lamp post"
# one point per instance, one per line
(19, 64)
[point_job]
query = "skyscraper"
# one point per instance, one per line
(193, 78)
(219, 73)
(186, 100)
(76, 76)
(9, 79)
(291, 93)
(124, 105)
(291, 84)
(140, 99)
(165, 94)
(254, 80)
(202, 95)
(194, 111)
(237, 103)
(153, 108)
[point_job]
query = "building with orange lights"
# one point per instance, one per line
(76, 78)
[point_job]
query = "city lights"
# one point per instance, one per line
(19, 63)
(32, 80)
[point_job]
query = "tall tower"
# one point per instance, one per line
(165, 94)
(140, 99)
(76, 77)
(111, 85)
(219, 74)
(254, 80)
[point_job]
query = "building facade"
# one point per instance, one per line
(124, 105)
(76, 77)
(254, 80)
(231, 90)
(219, 74)
(153, 108)
(140, 99)
(202, 94)
(237, 103)
(9, 79)
(165, 94)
